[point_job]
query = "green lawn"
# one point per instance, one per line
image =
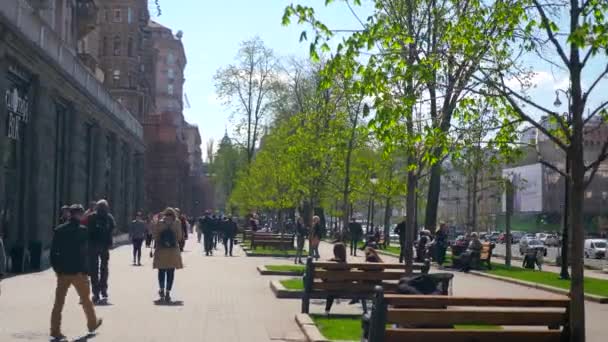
(348, 328)
(286, 268)
(270, 250)
(293, 284)
(592, 285)
(345, 328)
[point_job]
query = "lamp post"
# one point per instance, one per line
(370, 217)
(564, 273)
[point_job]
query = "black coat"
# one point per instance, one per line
(69, 249)
(356, 230)
(100, 229)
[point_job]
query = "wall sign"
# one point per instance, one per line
(18, 112)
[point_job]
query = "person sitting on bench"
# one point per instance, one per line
(470, 258)
(339, 257)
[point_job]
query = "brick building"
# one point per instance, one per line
(64, 138)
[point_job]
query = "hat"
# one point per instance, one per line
(76, 208)
(65, 207)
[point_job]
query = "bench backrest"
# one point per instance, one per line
(432, 318)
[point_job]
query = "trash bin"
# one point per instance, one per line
(35, 255)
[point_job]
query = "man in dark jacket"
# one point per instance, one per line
(207, 229)
(356, 231)
(69, 251)
(100, 225)
(229, 232)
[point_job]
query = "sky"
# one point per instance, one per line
(213, 30)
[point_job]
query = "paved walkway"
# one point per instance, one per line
(224, 300)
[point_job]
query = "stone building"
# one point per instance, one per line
(167, 168)
(64, 138)
(196, 183)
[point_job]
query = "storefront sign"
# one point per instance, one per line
(18, 112)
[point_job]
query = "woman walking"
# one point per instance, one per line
(137, 233)
(167, 255)
(301, 233)
(315, 237)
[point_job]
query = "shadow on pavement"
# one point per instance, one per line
(159, 302)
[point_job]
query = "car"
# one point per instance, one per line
(526, 244)
(595, 248)
(552, 240)
(541, 236)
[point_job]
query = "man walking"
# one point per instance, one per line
(69, 261)
(137, 234)
(205, 224)
(101, 224)
(356, 231)
(400, 230)
(230, 229)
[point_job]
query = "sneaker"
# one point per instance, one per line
(161, 294)
(58, 338)
(97, 325)
(95, 299)
(104, 294)
(167, 297)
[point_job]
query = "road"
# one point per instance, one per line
(552, 253)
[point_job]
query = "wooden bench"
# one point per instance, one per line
(352, 280)
(281, 241)
(485, 256)
(432, 319)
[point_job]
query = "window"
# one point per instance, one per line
(170, 58)
(170, 89)
(117, 16)
(117, 46)
(130, 47)
(129, 15)
(171, 74)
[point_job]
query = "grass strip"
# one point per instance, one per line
(293, 284)
(286, 268)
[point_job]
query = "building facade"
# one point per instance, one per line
(64, 137)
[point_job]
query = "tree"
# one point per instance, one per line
(568, 36)
(248, 86)
(228, 159)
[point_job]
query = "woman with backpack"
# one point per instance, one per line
(167, 255)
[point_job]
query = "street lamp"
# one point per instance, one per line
(370, 216)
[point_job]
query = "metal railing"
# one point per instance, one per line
(19, 14)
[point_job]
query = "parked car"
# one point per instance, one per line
(526, 244)
(595, 248)
(552, 240)
(541, 236)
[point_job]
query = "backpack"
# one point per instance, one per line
(167, 238)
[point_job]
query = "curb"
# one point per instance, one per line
(309, 329)
(264, 271)
(281, 292)
(382, 252)
(270, 255)
(588, 297)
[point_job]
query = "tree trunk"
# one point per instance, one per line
(387, 221)
(474, 201)
(565, 261)
(432, 203)
(410, 228)
(508, 214)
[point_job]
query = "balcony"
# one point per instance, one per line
(28, 26)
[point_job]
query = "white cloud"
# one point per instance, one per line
(534, 79)
(213, 100)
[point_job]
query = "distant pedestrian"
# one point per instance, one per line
(301, 234)
(230, 230)
(101, 226)
(167, 255)
(400, 230)
(64, 214)
(137, 234)
(184, 225)
(540, 259)
(356, 232)
(69, 261)
(441, 244)
(90, 210)
(206, 228)
(315, 237)
(149, 226)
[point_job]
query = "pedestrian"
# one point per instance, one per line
(90, 210)
(215, 223)
(301, 234)
(137, 234)
(167, 255)
(441, 244)
(205, 224)
(540, 259)
(253, 222)
(230, 230)
(199, 230)
(184, 226)
(2, 258)
(315, 237)
(421, 246)
(69, 261)
(356, 232)
(339, 257)
(100, 225)
(149, 224)
(400, 230)
(64, 214)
